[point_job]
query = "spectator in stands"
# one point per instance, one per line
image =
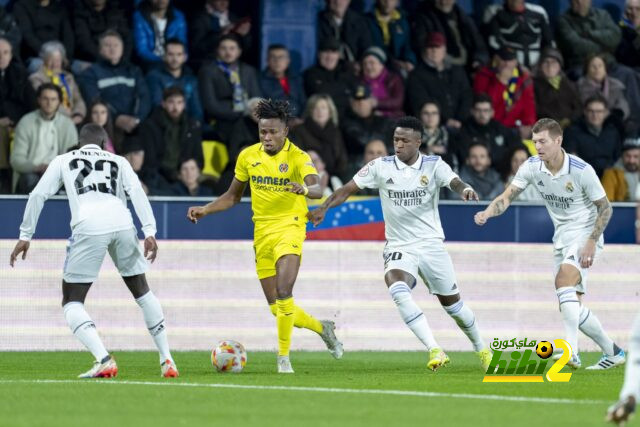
(245, 130)
(465, 45)
(155, 22)
(320, 132)
(522, 26)
(175, 73)
(482, 128)
(387, 88)
(435, 78)
(99, 114)
(584, 30)
(372, 150)
(119, 83)
(188, 183)
(169, 136)
(621, 181)
(435, 138)
(40, 136)
(134, 154)
(351, 29)
(213, 21)
(511, 90)
(17, 98)
(594, 137)
(330, 76)
(41, 21)
(556, 95)
(513, 159)
(54, 71)
(91, 19)
(479, 174)
(278, 81)
(390, 32)
(360, 124)
(9, 29)
(225, 86)
(596, 81)
(628, 51)
(326, 181)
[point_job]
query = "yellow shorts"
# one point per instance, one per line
(272, 240)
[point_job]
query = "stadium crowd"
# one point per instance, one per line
(163, 76)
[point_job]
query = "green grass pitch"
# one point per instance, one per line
(362, 389)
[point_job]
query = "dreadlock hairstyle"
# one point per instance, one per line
(410, 122)
(273, 109)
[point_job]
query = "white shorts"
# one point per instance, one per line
(85, 254)
(430, 261)
(571, 255)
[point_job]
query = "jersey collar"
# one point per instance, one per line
(401, 165)
(565, 170)
(285, 147)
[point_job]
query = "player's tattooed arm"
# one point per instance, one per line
(499, 205)
(605, 211)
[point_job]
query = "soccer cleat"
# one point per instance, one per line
(485, 356)
(437, 359)
(284, 365)
(168, 369)
(608, 362)
(575, 361)
(107, 369)
(622, 411)
(328, 335)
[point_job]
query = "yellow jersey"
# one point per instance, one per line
(269, 178)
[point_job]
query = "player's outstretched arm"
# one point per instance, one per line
(499, 205)
(310, 189)
(230, 198)
(338, 197)
(465, 191)
(588, 251)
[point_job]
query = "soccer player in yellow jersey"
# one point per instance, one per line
(281, 176)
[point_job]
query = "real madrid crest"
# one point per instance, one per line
(569, 187)
(424, 181)
(283, 167)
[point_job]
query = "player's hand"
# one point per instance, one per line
(150, 248)
(587, 254)
(21, 247)
(195, 213)
(296, 188)
(469, 194)
(481, 218)
(316, 216)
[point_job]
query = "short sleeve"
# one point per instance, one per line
(305, 165)
(523, 176)
(591, 185)
(443, 174)
(240, 171)
(366, 177)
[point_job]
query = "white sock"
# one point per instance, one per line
(154, 318)
(570, 309)
(412, 314)
(466, 320)
(590, 326)
(631, 386)
(84, 329)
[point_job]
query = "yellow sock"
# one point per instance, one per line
(284, 320)
(301, 319)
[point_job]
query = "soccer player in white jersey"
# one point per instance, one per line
(410, 184)
(580, 212)
(97, 184)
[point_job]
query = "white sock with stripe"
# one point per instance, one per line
(412, 314)
(84, 329)
(590, 326)
(154, 318)
(570, 310)
(466, 320)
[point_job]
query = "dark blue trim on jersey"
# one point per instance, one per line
(389, 158)
(576, 164)
(533, 159)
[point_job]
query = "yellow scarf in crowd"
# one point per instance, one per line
(510, 91)
(383, 23)
(59, 80)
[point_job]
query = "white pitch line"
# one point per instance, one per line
(320, 390)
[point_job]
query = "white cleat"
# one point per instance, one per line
(108, 369)
(608, 362)
(575, 362)
(329, 337)
(284, 365)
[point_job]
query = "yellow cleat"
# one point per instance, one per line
(485, 356)
(437, 358)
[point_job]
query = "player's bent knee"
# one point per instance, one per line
(137, 285)
(568, 275)
(74, 292)
(447, 300)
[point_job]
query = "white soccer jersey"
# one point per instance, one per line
(97, 184)
(409, 196)
(569, 196)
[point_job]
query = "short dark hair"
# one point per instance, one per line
(410, 122)
(174, 40)
(231, 36)
(49, 86)
(273, 109)
(554, 128)
(277, 46)
(478, 143)
(596, 97)
(481, 98)
(591, 57)
(110, 33)
(92, 133)
(431, 101)
(172, 91)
